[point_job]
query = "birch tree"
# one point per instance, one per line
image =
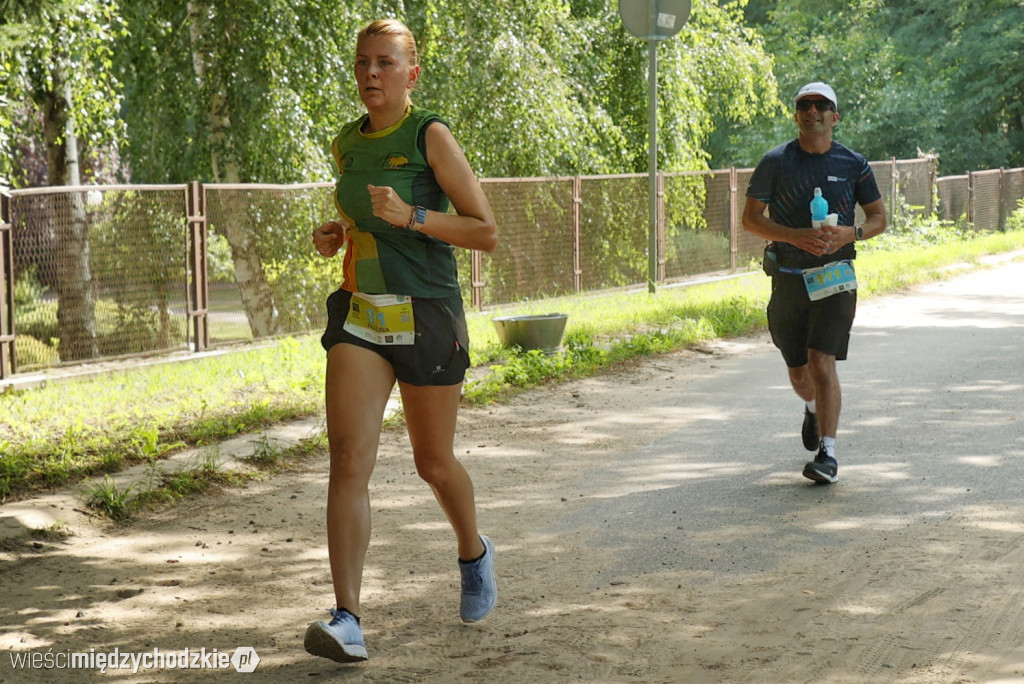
(59, 68)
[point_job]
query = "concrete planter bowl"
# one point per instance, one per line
(536, 331)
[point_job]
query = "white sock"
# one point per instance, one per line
(829, 445)
(811, 407)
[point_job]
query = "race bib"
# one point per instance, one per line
(829, 279)
(381, 319)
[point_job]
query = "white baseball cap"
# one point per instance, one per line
(818, 88)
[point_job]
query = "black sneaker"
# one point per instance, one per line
(810, 430)
(823, 469)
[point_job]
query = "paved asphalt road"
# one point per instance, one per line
(932, 424)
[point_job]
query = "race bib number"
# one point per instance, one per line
(829, 279)
(381, 319)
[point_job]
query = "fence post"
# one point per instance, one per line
(8, 357)
(894, 187)
(1001, 219)
(199, 289)
(970, 198)
(476, 269)
(932, 206)
(661, 226)
(734, 227)
(577, 256)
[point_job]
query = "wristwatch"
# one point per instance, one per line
(859, 232)
(418, 215)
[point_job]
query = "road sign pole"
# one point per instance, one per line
(652, 164)
(654, 21)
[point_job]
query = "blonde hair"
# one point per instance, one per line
(392, 27)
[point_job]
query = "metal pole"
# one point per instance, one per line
(8, 357)
(198, 248)
(652, 163)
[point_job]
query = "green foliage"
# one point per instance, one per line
(38, 321)
(143, 414)
(522, 370)
(107, 498)
(299, 279)
(265, 454)
(909, 231)
(160, 487)
(983, 119)
(33, 352)
(923, 233)
(27, 288)
(253, 91)
(911, 76)
(617, 226)
(636, 326)
(121, 328)
(59, 43)
(195, 477)
(1015, 221)
(218, 259)
(257, 85)
(6, 146)
(136, 240)
(691, 245)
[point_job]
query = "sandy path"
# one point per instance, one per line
(651, 526)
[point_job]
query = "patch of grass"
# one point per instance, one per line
(265, 455)
(107, 499)
(309, 446)
(143, 414)
(182, 484)
(160, 488)
(651, 324)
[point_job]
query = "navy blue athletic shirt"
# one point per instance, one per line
(785, 179)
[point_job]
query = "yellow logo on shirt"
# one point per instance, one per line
(396, 161)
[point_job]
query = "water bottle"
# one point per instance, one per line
(819, 209)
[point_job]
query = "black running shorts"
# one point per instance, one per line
(798, 324)
(440, 355)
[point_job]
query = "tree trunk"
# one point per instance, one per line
(75, 305)
(257, 297)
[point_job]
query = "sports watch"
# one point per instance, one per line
(418, 215)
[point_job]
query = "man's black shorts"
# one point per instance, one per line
(440, 355)
(798, 324)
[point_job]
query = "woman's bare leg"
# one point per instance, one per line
(358, 385)
(430, 415)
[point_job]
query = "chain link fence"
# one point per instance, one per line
(99, 272)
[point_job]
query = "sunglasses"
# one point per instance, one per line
(822, 105)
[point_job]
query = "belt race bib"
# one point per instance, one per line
(829, 279)
(381, 319)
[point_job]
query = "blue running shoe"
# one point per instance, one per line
(823, 469)
(341, 639)
(479, 588)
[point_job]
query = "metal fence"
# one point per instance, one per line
(92, 273)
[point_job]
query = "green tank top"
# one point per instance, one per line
(383, 259)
